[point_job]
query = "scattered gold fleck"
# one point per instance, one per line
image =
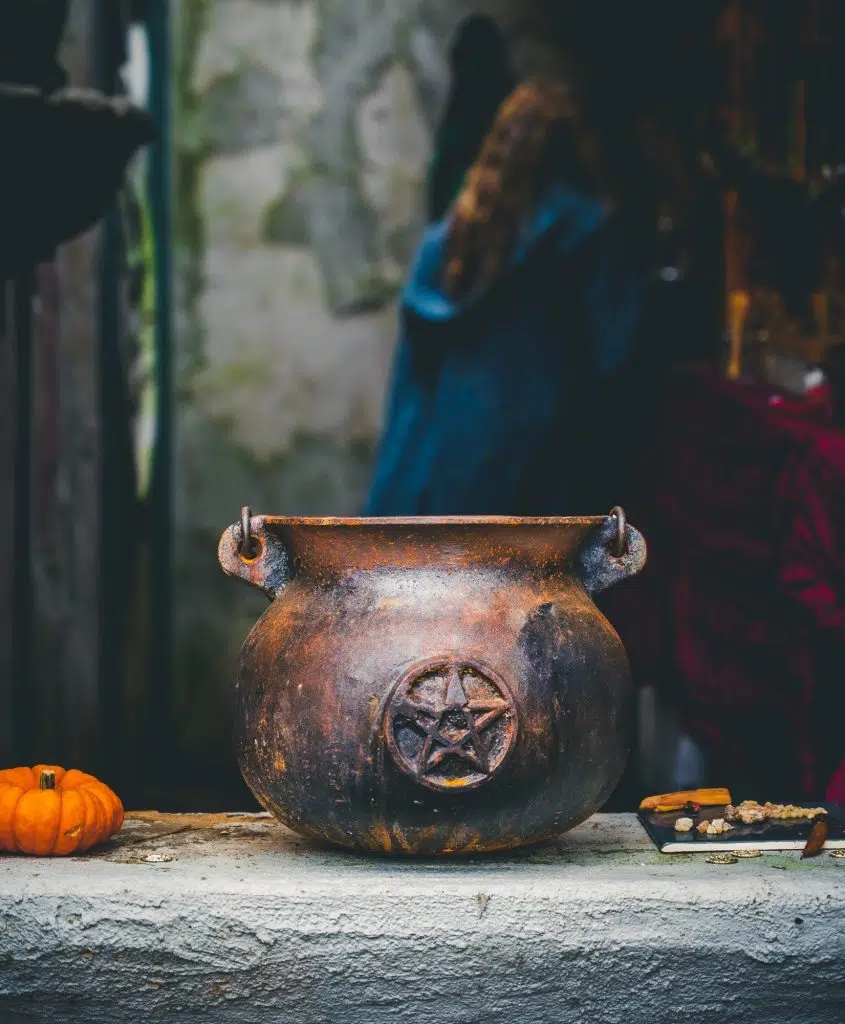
(722, 858)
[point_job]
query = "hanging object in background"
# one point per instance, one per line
(46, 811)
(65, 150)
(64, 156)
(30, 34)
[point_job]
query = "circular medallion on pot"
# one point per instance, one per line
(450, 723)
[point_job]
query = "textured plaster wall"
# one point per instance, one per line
(211, 919)
(302, 135)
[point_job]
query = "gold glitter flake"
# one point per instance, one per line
(722, 858)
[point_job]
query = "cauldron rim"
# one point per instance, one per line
(269, 551)
(402, 521)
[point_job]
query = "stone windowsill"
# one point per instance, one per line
(233, 918)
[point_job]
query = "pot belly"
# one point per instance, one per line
(429, 715)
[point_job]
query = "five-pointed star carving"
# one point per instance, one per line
(444, 737)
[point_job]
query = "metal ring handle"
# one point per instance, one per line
(246, 542)
(621, 545)
(255, 552)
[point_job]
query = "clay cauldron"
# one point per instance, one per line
(432, 686)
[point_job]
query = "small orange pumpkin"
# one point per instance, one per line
(49, 812)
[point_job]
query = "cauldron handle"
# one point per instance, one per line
(250, 552)
(612, 551)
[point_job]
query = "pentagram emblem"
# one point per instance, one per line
(450, 723)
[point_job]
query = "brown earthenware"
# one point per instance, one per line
(434, 685)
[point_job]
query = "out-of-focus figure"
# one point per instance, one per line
(520, 315)
(481, 79)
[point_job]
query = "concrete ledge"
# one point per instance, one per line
(248, 923)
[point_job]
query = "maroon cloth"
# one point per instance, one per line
(812, 575)
(836, 787)
(741, 615)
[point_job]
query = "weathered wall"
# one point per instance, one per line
(303, 131)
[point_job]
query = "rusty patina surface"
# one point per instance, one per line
(427, 686)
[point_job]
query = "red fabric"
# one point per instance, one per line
(743, 614)
(836, 787)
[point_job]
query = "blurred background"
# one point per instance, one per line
(200, 260)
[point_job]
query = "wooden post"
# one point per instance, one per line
(77, 484)
(16, 587)
(8, 420)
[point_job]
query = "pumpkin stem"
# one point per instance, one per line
(47, 780)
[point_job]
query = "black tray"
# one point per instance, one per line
(762, 835)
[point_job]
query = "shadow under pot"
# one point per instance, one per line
(432, 685)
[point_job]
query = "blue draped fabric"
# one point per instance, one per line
(496, 400)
